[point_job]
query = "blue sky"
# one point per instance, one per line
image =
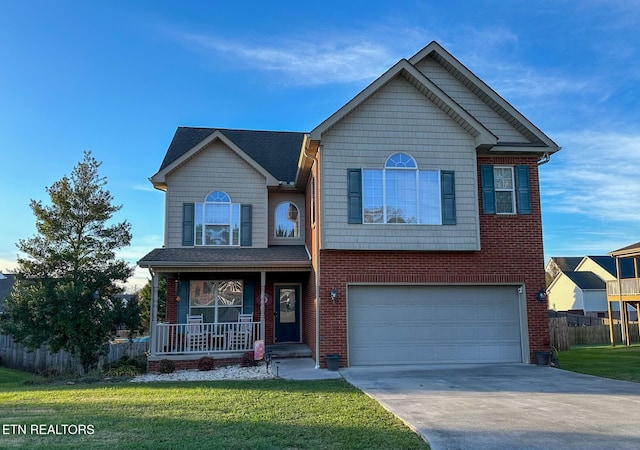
(118, 77)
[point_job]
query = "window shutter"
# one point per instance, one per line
(448, 197)
(354, 195)
(245, 225)
(523, 190)
(188, 216)
(247, 297)
(488, 189)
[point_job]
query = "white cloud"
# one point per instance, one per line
(302, 62)
(595, 175)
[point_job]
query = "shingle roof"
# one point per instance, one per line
(629, 250)
(276, 151)
(567, 263)
(586, 280)
(280, 255)
(609, 264)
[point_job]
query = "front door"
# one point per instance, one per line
(287, 312)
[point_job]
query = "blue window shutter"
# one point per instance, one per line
(183, 304)
(188, 216)
(523, 190)
(488, 189)
(448, 197)
(354, 195)
(245, 225)
(247, 297)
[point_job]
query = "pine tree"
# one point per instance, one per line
(66, 280)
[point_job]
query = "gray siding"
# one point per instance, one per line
(469, 101)
(215, 168)
(398, 118)
(275, 198)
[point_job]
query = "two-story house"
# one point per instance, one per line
(404, 229)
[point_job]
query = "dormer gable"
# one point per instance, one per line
(273, 154)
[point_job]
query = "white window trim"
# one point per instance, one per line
(384, 192)
(275, 224)
(512, 190)
(203, 205)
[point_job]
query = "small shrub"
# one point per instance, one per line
(167, 366)
(205, 363)
(123, 371)
(248, 360)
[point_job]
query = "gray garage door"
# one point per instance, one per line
(433, 324)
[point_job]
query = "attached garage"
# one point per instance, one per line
(434, 324)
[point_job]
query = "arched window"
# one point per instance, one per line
(287, 220)
(217, 220)
(400, 193)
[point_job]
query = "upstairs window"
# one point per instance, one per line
(217, 221)
(287, 220)
(505, 189)
(401, 193)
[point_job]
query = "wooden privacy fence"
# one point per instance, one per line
(559, 333)
(600, 334)
(43, 361)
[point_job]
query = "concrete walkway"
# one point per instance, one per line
(300, 369)
(514, 406)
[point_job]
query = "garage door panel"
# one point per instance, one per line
(433, 324)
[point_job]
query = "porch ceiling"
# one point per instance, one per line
(274, 258)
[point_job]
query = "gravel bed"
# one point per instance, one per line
(221, 373)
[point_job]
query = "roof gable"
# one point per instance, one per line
(566, 263)
(538, 140)
(272, 153)
(484, 138)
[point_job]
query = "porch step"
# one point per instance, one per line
(279, 351)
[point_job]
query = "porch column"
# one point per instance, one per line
(154, 314)
(263, 282)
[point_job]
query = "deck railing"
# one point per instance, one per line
(183, 338)
(629, 286)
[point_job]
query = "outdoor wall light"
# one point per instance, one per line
(334, 294)
(541, 295)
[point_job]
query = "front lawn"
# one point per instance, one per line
(621, 363)
(265, 414)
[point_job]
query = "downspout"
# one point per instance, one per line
(316, 255)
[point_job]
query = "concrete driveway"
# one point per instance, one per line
(515, 406)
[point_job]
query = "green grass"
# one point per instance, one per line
(265, 414)
(620, 363)
(12, 378)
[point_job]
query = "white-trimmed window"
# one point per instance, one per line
(400, 193)
(287, 220)
(505, 190)
(217, 221)
(217, 301)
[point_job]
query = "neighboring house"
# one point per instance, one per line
(6, 284)
(403, 229)
(580, 288)
(559, 264)
(625, 289)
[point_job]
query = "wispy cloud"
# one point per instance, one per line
(594, 176)
(301, 62)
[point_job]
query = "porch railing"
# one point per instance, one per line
(184, 338)
(629, 286)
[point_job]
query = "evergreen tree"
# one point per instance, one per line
(66, 280)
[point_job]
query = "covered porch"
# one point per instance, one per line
(221, 301)
(624, 290)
